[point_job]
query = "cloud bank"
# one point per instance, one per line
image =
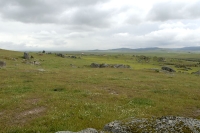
(99, 24)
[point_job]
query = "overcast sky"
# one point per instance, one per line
(98, 24)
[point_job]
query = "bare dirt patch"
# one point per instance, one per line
(29, 115)
(33, 101)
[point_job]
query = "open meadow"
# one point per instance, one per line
(49, 93)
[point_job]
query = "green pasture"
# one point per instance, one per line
(67, 94)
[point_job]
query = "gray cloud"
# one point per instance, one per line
(90, 16)
(51, 11)
(174, 11)
(97, 24)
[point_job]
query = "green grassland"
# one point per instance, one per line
(67, 94)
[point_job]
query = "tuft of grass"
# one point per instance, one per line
(141, 102)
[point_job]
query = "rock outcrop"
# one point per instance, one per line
(165, 124)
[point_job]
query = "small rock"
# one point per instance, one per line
(41, 70)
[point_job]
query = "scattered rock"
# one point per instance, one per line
(26, 56)
(95, 65)
(196, 73)
(73, 66)
(161, 59)
(120, 66)
(103, 65)
(2, 64)
(166, 68)
(73, 57)
(41, 70)
(88, 130)
(36, 63)
(61, 55)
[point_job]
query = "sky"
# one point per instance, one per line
(71, 25)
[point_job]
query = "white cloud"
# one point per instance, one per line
(172, 25)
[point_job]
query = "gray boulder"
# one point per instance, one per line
(95, 65)
(121, 66)
(26, 56)
(103, 65)
(166, 68)
(2, 64)
(88, 130)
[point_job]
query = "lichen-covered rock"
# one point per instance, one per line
(88, 130)
(166, 124)
(116, 127)
(2, 64)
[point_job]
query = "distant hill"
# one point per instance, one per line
(189, 49)
(152, 49)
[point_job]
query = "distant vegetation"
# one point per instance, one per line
(50, 91)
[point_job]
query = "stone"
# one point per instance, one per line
(196, 73)
(26, 56)
(88, 130)
(73, 57)
(103, 65)
(61, 55)
(166, 68)
(36, 63)
(2, 64)
(41, 70)
(166, 124)
(160, 124)
(95, 65)
(115, 127)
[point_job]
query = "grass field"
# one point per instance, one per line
(67, 94)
